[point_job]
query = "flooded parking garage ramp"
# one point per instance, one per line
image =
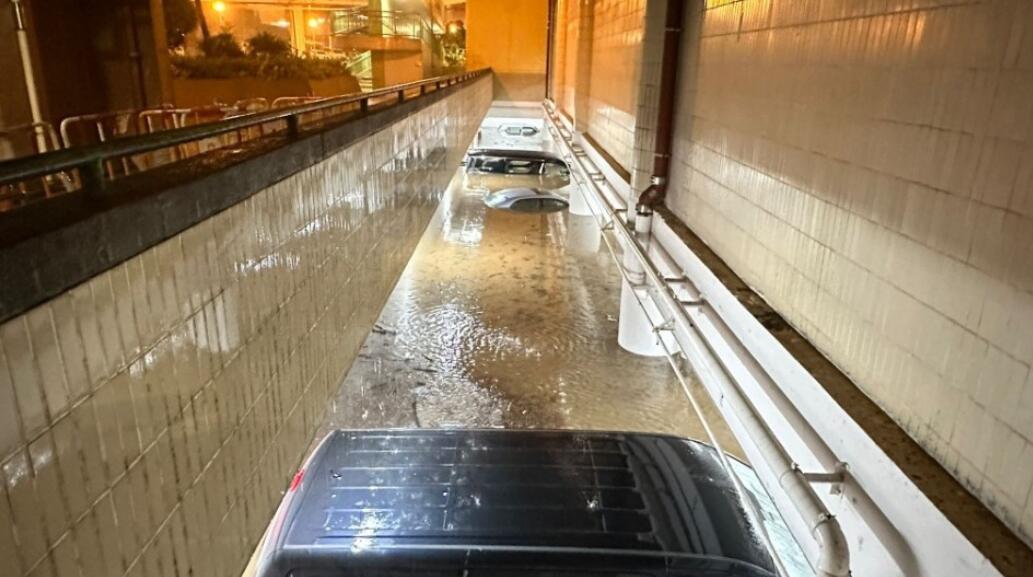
(504, 319)
(508, 319)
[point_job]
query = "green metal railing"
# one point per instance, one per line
(88, 163)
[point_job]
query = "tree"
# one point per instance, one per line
(265, 44)
(223, 45)
(180, 20)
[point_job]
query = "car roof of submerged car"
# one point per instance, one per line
(517, 192)
(481, 501)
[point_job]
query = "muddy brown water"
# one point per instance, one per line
(504, 319)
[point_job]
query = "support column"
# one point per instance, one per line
(161, 54)
(298, 25)
(583, 235)
(635, 332)
(578, 201)
(377, 58)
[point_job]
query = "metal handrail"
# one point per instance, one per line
(40, 134)
(366, 19)
(91, 159)
(834, 553)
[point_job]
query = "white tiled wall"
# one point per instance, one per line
(605, 96)
(867, 166)
(558, 63)
(150, 417)
(564, 56)
(617, 27)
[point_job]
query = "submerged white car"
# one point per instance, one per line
(526, 200)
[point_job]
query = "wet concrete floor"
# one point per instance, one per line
(505, 319)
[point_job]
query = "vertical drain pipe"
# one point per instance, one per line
(655, 194)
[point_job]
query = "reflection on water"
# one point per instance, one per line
(505, 319)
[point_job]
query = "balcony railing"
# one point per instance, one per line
(385, 23)
(91, 168)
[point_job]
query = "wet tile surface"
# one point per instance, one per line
(150, 417)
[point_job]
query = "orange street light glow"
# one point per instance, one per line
(219, 7)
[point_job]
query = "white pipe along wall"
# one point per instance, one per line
(891, 527)
(606, 219)
(831, 559)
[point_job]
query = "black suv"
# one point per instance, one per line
(507, 503)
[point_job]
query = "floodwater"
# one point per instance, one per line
(505, 319)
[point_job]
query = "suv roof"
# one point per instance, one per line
(530, 502)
